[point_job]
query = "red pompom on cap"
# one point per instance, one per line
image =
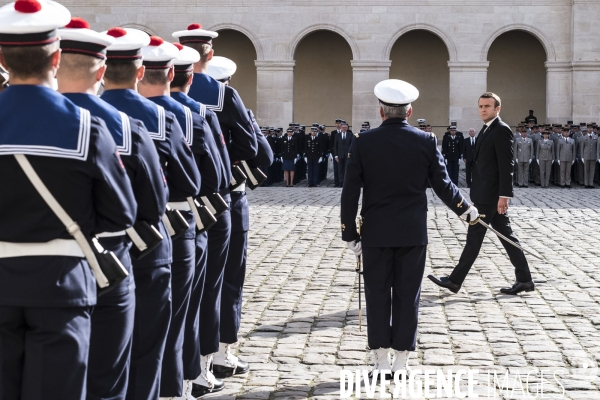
(194, 26)
(28, 6)
(178, 45)
(78, 23)
(116, 32)
(156, 41)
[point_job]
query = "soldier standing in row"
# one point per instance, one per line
(545, 152)
(289, 151)
(588, 150)
(565, 156)
(314, 153)
(523, 151)
(452, 152)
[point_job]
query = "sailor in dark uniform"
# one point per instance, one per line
(214, 178)
(241, 144)
(153, 272)
(158, 59)
(452, 152)
(81, 71)
(314, 152)
(324, 164)
(47, 287)
(393, 240)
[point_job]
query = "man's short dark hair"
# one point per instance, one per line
(490, 95)
(26, 62)
(180, 79)
(121, 71)
(156, 77)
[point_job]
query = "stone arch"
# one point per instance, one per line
(141, 27)
(253, 38)
(450, 46)
(323, 27)
(547, 44)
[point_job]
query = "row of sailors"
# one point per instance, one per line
(155, 161)
(557, 154)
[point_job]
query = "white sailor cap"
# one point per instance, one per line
(221, 68)
(78, 38)
(128, 43)
(32, 22)
(421, 120)
(195, 34)
(159, 54)
(186, 58)
(396, 93)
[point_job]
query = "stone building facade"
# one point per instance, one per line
(546, 53)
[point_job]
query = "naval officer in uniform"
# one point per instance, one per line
(81, 70)
(393, 240)
(47, 289)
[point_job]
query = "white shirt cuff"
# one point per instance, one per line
(505, 197)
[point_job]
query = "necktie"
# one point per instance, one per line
(482, 131)
(472, 142)
(343, 136)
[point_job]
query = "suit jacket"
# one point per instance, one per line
(394, 204)
(587, 147)
(566, 150)
(342, 147)
(452, 148)
(332, 138)
(523, 149)
(493, 168)
(545, 151)
(468, 149)
(315, 148)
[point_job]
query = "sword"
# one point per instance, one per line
(359, 272)
(501, 236)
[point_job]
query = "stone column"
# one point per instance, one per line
(275, 92)
(559, 92)
(468, 81)
(586, 91)
(365, 106)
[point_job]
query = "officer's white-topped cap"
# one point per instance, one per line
(195, 34)
(186, 58)
(128, 43)
(396, 93)
(31, 22)
(159, 54)
(78, 38)
(220, 68)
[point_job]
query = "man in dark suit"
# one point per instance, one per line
(393, 239)
(469, 155)
(332, 137)
(341, 150)
(490, 191)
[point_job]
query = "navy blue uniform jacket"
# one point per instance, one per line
(393, 164)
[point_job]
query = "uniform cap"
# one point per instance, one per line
(186, 58)
(195, 34)
(421, 120)
(78, 38)
(159, 54)
(452, 128)
(221, 68)
(128, 43)
(396, 93)
(31, 22)
(313, 128)
(338, 120)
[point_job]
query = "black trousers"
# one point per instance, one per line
(341, 169)
(210, 305)
(152, 319)
(475, 236)
(182, 279)
(469, 172)
(313, 172)
(452, 167)
(43, 352)
(393, 288)
(336, 173)
(235, 271)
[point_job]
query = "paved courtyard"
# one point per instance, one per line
(300, 317)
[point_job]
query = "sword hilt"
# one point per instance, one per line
(476, 220)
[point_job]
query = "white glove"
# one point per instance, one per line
(530, 161)
(573, 162)
(305, 159)
(516, 160)
(558, 161)
(295, 159)
(356, 247)
(582, 160)
(538, 161)
(445, 161)
(320, 160)
(470, 215)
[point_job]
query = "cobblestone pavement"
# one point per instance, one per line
(300, 315)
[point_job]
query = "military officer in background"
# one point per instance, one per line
(341, 150)
(314, 153)
(534, 169)
(81, 71)
(565, 156)
(588, 150)
(582, 134)
(332, 138)
(289, 152)
(47, 287)
(324, 165)
(469, 155)
(452, 151)
(523, 151)
(393, 239)
(531, 118)
(546, 156)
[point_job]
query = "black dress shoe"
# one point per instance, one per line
(222, 371)
(519, 287)
(199, 390)
(445, 282)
